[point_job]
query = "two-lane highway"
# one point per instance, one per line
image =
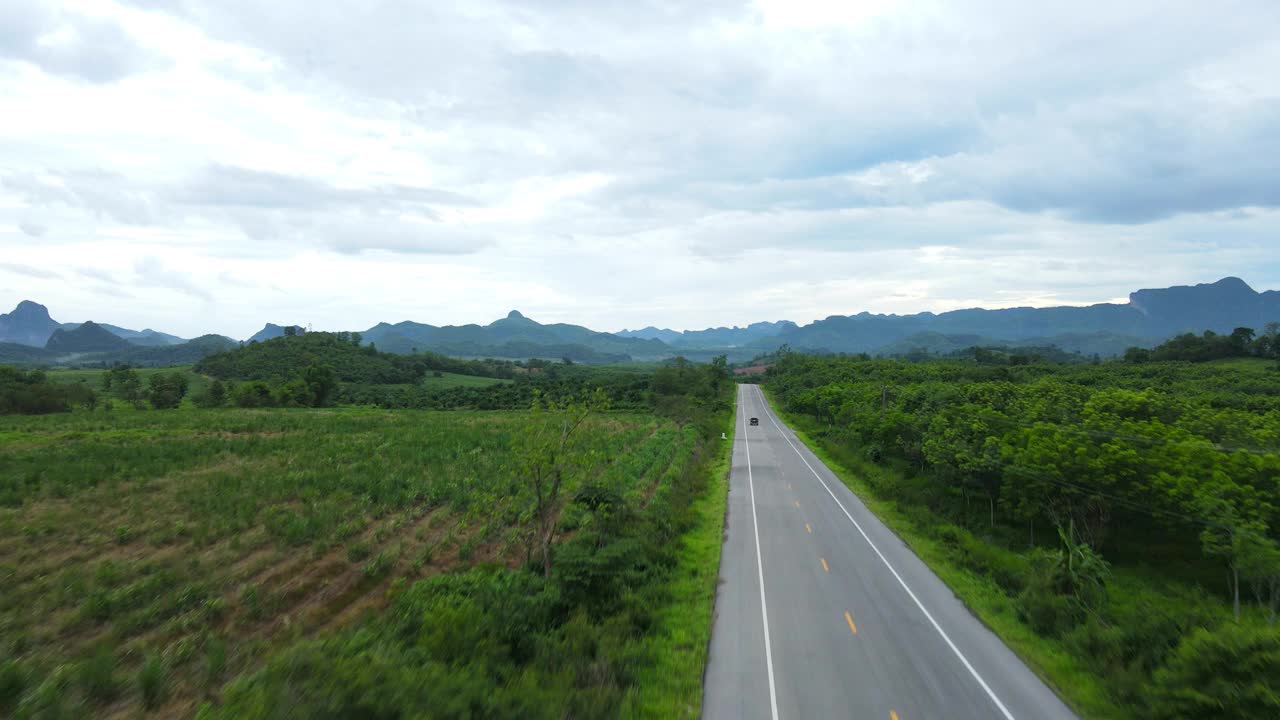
(822, 612)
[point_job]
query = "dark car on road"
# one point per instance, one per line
(755, 421)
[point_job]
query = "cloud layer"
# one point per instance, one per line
(628, 163)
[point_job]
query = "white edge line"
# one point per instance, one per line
(916, 600)
(764, 608)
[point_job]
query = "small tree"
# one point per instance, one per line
(167, 390)
(547, 453)
(321, 382)
(215, 395)
(123, 382)
(1227, 536)
(290, 331)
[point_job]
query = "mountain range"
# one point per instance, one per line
(29, 335)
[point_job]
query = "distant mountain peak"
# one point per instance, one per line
(28, 324)
(28, 306)
(515, 315)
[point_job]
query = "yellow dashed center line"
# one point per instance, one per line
(824, 564)
(849, 619)
(808, 529)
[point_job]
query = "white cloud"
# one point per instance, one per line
(627, 163)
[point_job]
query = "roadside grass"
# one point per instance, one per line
(672, 686)
(1066, 674)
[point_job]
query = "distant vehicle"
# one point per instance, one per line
(755, 421)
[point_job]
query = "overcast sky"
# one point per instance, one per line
(209, 165)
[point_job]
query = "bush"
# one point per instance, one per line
(13, 682)
(167, 390)
(215, 660)
(215, 395)
(97, 676)
(1230, 672)
(153, 681)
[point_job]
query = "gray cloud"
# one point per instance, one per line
(150, 272)
(65, 43)
(32, 229)
(237, 187)
(100, 192)
(29, 271)
(99, 275)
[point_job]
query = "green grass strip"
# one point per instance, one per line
(672, 686)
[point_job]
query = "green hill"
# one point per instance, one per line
(89, 337)
(284, 357)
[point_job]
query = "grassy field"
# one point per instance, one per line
(148, 557)
(93, 378)
(448, 380)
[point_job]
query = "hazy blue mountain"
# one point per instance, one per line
(652, 333)
(28, 324)
(514, 336)
(88, 337)
(184, 353)
(146, 337)
(1150, 316)
(1221, 307)
(718, 337)
(271, 330)
(1105, 344)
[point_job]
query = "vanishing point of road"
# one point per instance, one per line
(822, 612)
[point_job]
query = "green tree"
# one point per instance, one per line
(547, 453)
(1227, 536)
(1223, 674)
(124, 383)
(166, 390)
(215, 395)
(321, 384)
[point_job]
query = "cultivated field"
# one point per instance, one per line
(146, 558)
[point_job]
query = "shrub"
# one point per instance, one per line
(13, 682)
(215, 660)
(97, 676)
(379, 565)
(1230, 672)
(153, 681)
(1064, 587)
(357, 552)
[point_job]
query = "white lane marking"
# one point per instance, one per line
(1003, 710)
(764, 608)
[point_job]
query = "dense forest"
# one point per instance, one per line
(1112, 503)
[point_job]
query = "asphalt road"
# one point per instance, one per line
(822, 612)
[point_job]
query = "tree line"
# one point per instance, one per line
(1241, 342)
